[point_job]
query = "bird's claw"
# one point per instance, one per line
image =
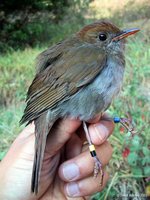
(98, 169)
(128, 125)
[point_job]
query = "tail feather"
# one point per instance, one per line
(43, 124)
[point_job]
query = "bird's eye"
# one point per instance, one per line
(102, 36)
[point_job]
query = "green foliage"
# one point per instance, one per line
(139, 157)
(50, 5)
(30, 23)
(9, 126)
(17, 70)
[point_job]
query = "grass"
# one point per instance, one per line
(127, 174)
(16, 67)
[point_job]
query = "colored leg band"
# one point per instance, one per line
(116, 119)
(93, 153)
(92, 150)
(91, 147)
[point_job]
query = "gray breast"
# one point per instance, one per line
(97, 96)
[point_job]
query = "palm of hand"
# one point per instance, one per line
(64, 144)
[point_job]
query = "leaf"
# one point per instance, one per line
(146, 151)
(147, 171)
(137, 171)
(132, 159)
(146, 160)
(136, 143)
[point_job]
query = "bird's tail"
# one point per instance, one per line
(43, 124)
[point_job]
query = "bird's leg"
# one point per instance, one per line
(126, 124)
(98, 165)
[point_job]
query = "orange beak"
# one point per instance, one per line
(125, 33)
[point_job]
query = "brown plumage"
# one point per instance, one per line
(79, 77)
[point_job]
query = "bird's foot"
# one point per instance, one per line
(98, 169)
(97, 165)
(126, 123)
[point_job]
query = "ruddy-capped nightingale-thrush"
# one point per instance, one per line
(78, 77)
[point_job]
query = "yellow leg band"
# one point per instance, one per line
(92, 148)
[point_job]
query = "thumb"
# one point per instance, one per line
(60, 134)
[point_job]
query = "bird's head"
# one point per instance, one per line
(105, 35)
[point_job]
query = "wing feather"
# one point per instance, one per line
(76, 67)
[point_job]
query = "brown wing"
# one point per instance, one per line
(76, 67)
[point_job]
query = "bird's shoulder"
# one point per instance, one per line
(53, 53)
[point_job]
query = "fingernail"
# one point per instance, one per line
(72, 190)
(101, 131)
(70, 171)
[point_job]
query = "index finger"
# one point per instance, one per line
(101, 130)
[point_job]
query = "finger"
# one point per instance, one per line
(60, 134)
(80, 131)
(82, 165)
(99, 131)
(86, 186)
(73, 147)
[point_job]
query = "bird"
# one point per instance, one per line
(77, 77)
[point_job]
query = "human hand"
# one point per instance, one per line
(67, 169)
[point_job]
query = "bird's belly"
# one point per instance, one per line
(84, 105)
(96, 97)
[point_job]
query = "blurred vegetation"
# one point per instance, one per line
(31, 26)
(29, 23)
